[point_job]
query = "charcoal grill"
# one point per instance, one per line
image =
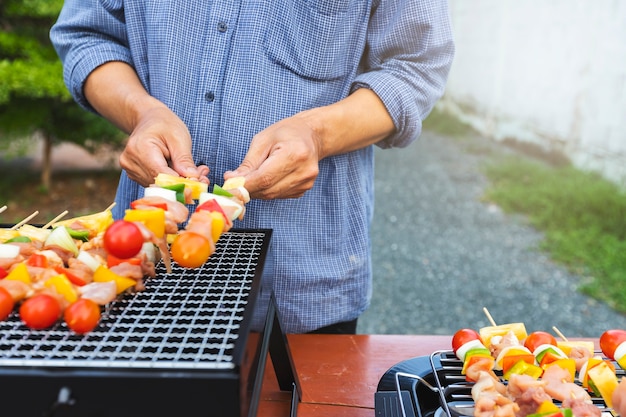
(183, 346)
(433, 386)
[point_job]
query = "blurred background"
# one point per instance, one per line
(512, 199)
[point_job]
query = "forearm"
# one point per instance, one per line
(355, 122)
(114, 91)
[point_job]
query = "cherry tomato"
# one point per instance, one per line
(463, 336)
(610, 340)
(190, 250)
(536, 339)
(40, 311)
(123, 239)
(6, 303)
(82, 316)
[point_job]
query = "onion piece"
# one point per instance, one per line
(88, 259)
(155, 191)
(9, 251)
(61, 237)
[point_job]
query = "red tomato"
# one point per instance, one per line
(123, 239)
(536, 339)
(6, 303)
(190, 250)
(82, 316)
(610, 340)
(463, 336)
(40, 311)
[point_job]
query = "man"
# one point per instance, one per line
(289, 94)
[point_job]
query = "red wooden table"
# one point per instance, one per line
(338, 374)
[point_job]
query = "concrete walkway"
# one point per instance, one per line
(440, 254)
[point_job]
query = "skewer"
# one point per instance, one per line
(111, 206)
(56, 219)
(491, 320)
(3, 208)
(558, 332)
(26, 220)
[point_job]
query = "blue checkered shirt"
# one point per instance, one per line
(231, 68)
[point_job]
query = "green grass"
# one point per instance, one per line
(440, 122)
(582, 216)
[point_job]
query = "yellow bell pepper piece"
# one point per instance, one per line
(104, 274)
(604, 381)
(20, 273)
(63, 286)
(153, 219)
(196, 187)
(524, 368)
(568, 364)
(217, 225)
(547, 407)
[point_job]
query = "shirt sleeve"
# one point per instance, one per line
(408, 56)
(87, 34)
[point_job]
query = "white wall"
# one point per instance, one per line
(550, 72)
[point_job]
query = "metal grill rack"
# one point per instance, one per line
(455, 392)
(184, 344)
(433, 386)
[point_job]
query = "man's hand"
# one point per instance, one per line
(282, 161)
(160, 143)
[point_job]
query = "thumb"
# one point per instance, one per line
(184, 165)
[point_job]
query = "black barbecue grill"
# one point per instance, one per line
(183, 346)
(433, 386)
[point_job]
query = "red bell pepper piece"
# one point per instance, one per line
(136, 204)
(212, 205)
(3, 272)
(38, 260)
(114, 260)
(73, 278)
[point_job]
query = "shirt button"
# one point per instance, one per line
(222, 27)
(209, 96)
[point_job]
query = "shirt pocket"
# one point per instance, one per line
(316, 39)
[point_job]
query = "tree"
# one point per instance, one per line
(33, 97)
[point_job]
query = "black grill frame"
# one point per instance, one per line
(182, 346)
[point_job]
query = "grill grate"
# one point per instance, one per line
(189, 319)
(455, 393)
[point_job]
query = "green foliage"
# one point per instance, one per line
(582, 215)
(33, 97)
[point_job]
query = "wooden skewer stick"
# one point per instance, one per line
(56, 219)
(558, 332)
(3, 208)
(491, 320)
(111, 206)
(26, 220)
